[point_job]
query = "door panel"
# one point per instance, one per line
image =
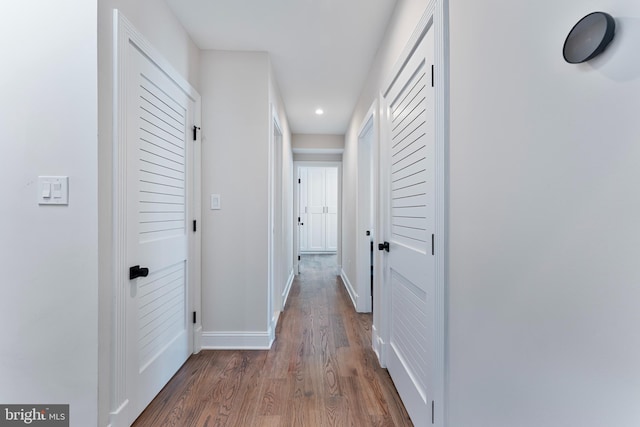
(158, 123)
(161, 311)
(315, 209)
(304, 223)
(331, 209)
(410, 275)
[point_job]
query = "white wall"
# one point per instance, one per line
(317, 141)
(48, 126)
(401, 24)
(544, 230)
(285, 256)
(239, 92)
(317, 148)
(156, 22)
(543, 275)
(235, 144)
(158, 25)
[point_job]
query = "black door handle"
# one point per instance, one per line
(137, 271)
(383, 246)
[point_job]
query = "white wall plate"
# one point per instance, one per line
(53, 190)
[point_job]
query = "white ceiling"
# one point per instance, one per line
(321, 50)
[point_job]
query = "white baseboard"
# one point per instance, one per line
(347, 284)
(274, 323)
(378, 346)
(285, 294)
(117, 417)
(259, 340)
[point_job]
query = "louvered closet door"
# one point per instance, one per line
(410, 264)
(159, 117)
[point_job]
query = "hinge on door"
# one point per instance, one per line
(432, 75)
(194, 317)
(433, 244)
(433, 417)
(195, 132)
(298, 219)
(298, 257)
(299, 181)
(195, 228)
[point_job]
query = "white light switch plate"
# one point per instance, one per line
(53, 190)
(215, 202)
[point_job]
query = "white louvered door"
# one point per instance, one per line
(410, 275)
(158, 161)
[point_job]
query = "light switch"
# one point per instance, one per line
(57, 190)
(215, 202)
(46, 190)
(53, 190)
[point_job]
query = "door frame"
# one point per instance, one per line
(124, 35)
(276, 256)
(367, 217)
(435, 16)
(296, 236)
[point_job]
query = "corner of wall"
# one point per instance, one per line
(350, 289)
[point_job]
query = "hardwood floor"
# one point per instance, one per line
(320, 371)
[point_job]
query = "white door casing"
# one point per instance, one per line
(365, 218)
(154, 201)
(318, 209)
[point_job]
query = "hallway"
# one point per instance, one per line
(320, 371)
(311, 264)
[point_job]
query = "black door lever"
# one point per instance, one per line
(137, 271)
(383, 246)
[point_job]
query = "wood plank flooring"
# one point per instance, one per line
(320, 371)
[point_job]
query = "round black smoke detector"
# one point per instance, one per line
(589, 37)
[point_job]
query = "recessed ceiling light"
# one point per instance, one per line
(319, 111)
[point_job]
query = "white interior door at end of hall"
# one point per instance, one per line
(159, 114)
(410, 275)
(331, 216)
(302, 214)
(316, 224)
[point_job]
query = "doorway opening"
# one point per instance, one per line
(366, 214)
(277, 225)
(318, 193)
